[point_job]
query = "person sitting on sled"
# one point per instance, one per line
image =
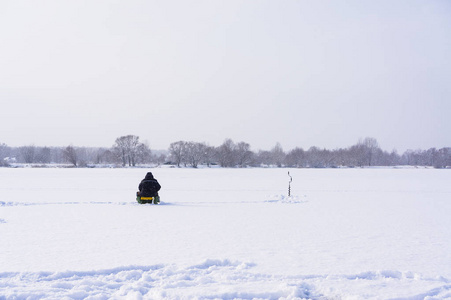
(149, 186)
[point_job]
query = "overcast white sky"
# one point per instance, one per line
(302, 73)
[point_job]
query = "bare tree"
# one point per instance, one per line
(444, 158)
(28, 153)
(314, 158)
(296, 158)
(127, 148)
(437, 158)
(440, 158)
(195, 153)
(83, 156)
(143, 153)
(226, 153)
(244, 154)
(44, 155)
(341, 157)
(159, 158)
(394, 158)
(209, 155)
(177, 152)
(101, 155)
(70, 154)
(357, 155)
(264, 157)
(277, 155)
(4, 153)
(371, 146)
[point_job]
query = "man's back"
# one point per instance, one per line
(149, 186)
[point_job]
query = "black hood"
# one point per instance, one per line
(149, 176)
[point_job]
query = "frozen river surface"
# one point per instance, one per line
(226, 234)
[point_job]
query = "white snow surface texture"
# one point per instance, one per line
(226, 234)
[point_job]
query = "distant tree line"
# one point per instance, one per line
(128, 151)
(365, 153)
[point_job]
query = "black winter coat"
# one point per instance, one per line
(149, 186)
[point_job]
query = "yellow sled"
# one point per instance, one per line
(151, 200)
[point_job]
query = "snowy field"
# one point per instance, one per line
(226, 234)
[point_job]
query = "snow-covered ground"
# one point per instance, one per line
(226, 234)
